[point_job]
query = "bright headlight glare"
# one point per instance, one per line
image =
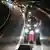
(29, 12)
(28, 25)
(35, 25)
(29, 20)
(26, 30)
(37, 30)
(31, 6)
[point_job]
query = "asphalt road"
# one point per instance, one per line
(13, 47)
(42, 47)
(8, 47)
(13, 29)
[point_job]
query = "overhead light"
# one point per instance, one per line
(6, 0)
